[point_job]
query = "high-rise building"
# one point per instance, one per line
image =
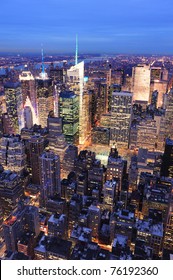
(29, 97)
(109, 191)
(44, 90)
(12, 153)
(94, 219)
(49, 165)
(169, 115)
(36, 148)
(167, 160)
(121, 110)
(11, 191)
(14, 106)
(69, 112)
(75, 76)
(57, 143)
(116, 168)
(141, 82)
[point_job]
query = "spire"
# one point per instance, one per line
(76, 56)
(42, 55)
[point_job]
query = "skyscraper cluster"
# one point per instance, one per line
(86, 161)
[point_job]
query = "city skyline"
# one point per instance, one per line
(126, 27)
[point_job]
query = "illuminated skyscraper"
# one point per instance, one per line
(12, 153)
(44, 89)
(11, 191)
(14, 106)
(121, 109)
(29, 98)
(57, 143)
(75, 77)
(141, 82)
(69, 112)
(36, 148)
(49, 164)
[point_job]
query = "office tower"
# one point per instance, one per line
(57, 226)
(11, 191)
(28, 90)
(94, 219)
(75, 77)
(13, 228)
(96, 178)
(69, 112)
(159, 82)
(112, 88)
(161, 132)
(167, 160)
(31, 220)
(147, 134)
(101, 102)
(169, 115)
(49, 165)
(12, 153)
(141, 82)
(70, 156)
(57, 143)
(116, 168)
(14, 105)
(121, 110)
(44, 95)
(36, 147)
(109, 194)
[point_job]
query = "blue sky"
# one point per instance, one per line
(109, 26)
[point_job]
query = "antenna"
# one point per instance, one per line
(76, 56)
(42, 55)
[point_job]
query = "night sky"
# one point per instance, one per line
(109, 26)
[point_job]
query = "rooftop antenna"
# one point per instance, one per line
(76, 56)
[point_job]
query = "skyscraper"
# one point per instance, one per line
(121, 109)
(29, 97)
(141, 82)
(14, 106)
(44, 89)
(69, 112)
(12, 153)
(49, 164)
(36, 147)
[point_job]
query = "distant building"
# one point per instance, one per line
(141, 82)
(121, 109)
